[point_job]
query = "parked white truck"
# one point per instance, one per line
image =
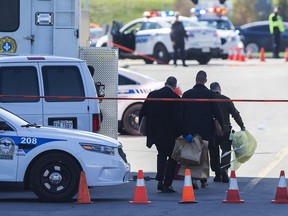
(50, 27)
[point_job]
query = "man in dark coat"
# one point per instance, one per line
(163, 125)
(226, 109)
(178, 35)
(199, 119)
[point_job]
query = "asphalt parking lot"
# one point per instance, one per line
(257, 179)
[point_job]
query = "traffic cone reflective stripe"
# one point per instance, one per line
(188, 192)
(281, 192)
(233, 195)
(140, 195)
(83, 191)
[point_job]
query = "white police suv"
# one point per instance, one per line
(215, 17)
(49, 160)
(149, 38)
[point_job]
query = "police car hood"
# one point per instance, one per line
(75, 135)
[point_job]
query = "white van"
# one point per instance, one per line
(50, 90)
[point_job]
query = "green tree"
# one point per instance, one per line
(183, 6)
(243, 12)
(283, 4)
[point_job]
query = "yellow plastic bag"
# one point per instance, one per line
(244, 145)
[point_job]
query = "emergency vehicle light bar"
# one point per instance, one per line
(152, 13)
(219, 11)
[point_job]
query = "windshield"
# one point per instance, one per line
(10, 117)
(219, 24)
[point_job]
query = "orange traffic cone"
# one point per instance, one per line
(262, 55)
(233, 195)
(140, 195)
(236, 54)
(249, 53)
(242, 56)
(83, 191)
(188, 192)
(286, 54)
(230, 54)
(281, 193)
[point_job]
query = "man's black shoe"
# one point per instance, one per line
(160, 185)
(169, 189)
(225, 178)
(217, 178)
(204, 184)
(195, 185)
(184, 65)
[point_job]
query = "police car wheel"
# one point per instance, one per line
(204, 59)
(161, 54)
(131, 120)
(55, 177)
(148, 61)
(252, 47)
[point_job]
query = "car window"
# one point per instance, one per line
(186, 23)
(219, 24)
(19, 81)
(150, 25)
(62, 81)
(133, 28)
(125, 81)
(260, 28)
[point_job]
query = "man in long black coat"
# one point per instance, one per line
(164, 124)
(199, 118)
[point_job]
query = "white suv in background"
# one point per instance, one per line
(213, 17)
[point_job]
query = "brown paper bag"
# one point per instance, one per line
(191, 152)
(179, 144)
(202, 170)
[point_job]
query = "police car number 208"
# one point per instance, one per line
(49, 160)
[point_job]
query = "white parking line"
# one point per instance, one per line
(264, 172)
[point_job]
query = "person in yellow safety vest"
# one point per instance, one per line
(276, 27)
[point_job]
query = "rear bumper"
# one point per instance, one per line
(195, 53)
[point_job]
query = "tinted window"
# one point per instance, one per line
(19, 81)
(9, 15)
(125, 81)
(62, 81)
(261, 28)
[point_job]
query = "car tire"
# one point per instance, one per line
(253, 47)
(148, 61)
(161, 54)
(131, 119)
(66, 174)
(204, 59)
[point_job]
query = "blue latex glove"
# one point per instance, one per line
(189, 138)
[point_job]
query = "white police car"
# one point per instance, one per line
(214, 17)
(149, 38)
(50, 159)
(134, 85)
